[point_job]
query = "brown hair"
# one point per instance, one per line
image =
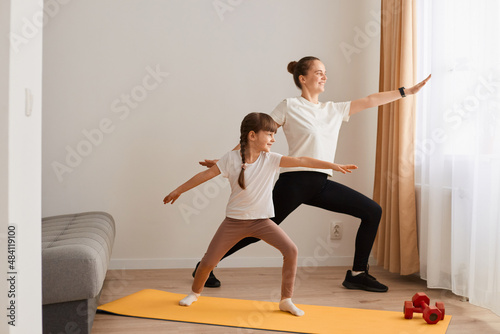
(300, 68)
(255, 121)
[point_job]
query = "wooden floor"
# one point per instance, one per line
(315, 285)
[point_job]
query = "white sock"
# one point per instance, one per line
(356, 273)
(189, 299)
(286, 305)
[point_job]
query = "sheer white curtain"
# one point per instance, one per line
(458, 148)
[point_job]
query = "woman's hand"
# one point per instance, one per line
(344, 168)
(417, 87)
(172, 197)
(208, 163)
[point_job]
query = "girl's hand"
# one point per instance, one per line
(172, 197)
(417, 87)
(208, 163)
(344, 168)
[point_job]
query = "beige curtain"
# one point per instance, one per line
(396, 244)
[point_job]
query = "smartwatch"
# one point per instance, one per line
(402, 91)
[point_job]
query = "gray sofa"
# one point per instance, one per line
(76, 249)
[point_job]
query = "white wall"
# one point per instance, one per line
(4, 145)
(117, 138)
(20, 169)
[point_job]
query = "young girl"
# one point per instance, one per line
(251, 171)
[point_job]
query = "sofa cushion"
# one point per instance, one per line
(76, 249)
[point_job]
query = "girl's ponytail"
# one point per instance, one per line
(241, 178)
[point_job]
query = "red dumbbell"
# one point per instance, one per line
(420, 304)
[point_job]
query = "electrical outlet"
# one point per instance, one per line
(336, 231)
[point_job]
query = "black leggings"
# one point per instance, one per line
(313, 188)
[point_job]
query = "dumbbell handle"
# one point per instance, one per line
(420, 307)
(423, 305)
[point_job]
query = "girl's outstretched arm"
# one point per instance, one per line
(378, 99)
(314, 163)
(191, 183)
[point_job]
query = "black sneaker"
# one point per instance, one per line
(363, 281)
(212, 281)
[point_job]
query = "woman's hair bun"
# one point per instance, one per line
(291, 66)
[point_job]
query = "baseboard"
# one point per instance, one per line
(230, 262)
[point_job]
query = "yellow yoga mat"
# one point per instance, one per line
(156, 304)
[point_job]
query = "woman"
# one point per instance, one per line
(312, 129)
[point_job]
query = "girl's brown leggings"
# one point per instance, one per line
(233, 230)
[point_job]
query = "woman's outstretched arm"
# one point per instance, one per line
(378, 99)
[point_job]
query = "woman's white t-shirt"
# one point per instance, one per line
(312, 130)
(255, 201)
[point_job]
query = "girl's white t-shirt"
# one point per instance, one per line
(312, 130)
(255, 201)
